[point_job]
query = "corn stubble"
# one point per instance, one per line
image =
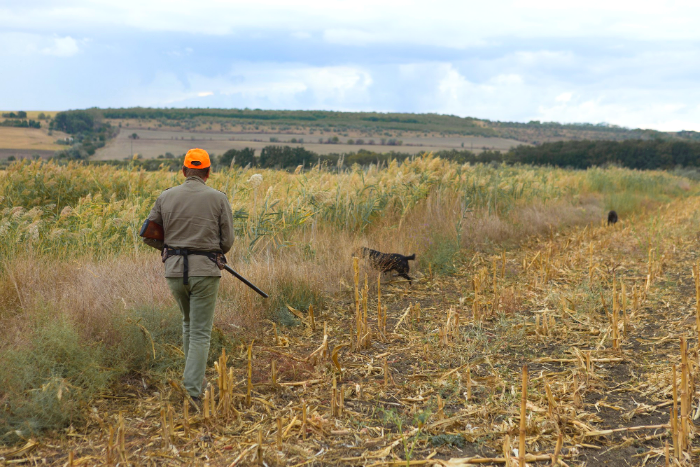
(576, 344)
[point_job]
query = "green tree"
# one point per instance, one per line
(76, 121)
(239, 157)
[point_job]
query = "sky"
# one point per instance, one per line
(630, 63)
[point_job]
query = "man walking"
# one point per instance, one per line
(198, 231)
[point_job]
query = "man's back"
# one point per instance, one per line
(196, 217)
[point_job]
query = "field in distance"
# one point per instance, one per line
(154, 132)
(27, 142)
(152, 141)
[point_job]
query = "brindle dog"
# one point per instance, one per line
(386, 262)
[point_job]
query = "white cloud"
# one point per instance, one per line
(301, 35)
(510, 79)
(24, 44)
(624, 62)
(269, 85)
(180, 53)
(62, 47)
(448, 23)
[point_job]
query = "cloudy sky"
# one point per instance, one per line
(631, 63)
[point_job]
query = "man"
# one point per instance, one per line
(198, 231)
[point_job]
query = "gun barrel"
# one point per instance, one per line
(245, 281)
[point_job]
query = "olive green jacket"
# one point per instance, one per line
(196, 217)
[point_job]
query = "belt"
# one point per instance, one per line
(168, 252)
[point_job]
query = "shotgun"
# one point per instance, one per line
(244, 280)
(154, 231)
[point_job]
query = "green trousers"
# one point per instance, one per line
(196, 301)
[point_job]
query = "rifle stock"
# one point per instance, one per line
(245, 281)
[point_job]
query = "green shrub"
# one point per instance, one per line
(440, 255)
(45, 382)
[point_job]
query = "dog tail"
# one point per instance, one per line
(412, 257)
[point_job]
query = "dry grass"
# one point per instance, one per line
(400, 395)
(442, 385)
(29, 138)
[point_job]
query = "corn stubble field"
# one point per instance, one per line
(532, 333)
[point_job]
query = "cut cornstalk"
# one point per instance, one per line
(469, 383)
(506, 451)
(311, 318)
(624, 430)
(696, 273)
(249, 386)
(386, 373)
(523, 418)
(206, 405)
(212, 402)
(186, 417)
(164, 428)
(110, 446)
(358, 316)
(557, 449)
(356, 269)
(279, 433)
(334, 399)
(475, 304)
(590, 262)
(623, 303)
(674, 433)
(260, 447)
(303, 419)
(366, 332)
(277, 337)
(122, 437)
(494, 305)
(615, 331)
(171, 424)
(685, 396)
(379, 304)
(551, 403)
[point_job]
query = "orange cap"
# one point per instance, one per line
(197, 159)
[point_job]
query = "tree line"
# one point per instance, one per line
(17, 123)
(633, 154)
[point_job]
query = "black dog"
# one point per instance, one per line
(386, 262)
(612, 217)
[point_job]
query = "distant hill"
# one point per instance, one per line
(125, 133)
(533, 132)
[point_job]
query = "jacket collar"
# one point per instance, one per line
(195, 179)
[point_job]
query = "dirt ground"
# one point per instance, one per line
(438, 380)
(153, 142)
